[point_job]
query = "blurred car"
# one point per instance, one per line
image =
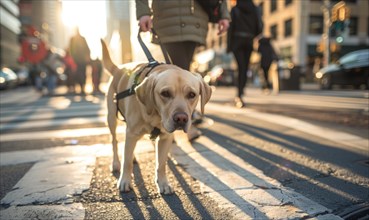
(8, 79)
(351, 69)
(23, 76)
(220, 75)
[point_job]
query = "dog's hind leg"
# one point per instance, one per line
(125, 179)
(162, 150)
(112, 123)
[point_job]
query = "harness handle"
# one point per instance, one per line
(151, 59)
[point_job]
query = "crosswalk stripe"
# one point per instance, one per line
(51, 123)
(240, 187)
(65, 133)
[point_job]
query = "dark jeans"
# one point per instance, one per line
(181, 53)
(266, 84)
(242, 55)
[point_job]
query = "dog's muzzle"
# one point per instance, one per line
(180, 120)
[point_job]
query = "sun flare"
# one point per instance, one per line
(90, 18)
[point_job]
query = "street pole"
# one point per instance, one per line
(326, 34)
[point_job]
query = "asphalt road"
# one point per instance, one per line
(323, 170)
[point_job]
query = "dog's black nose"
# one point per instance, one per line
(180, 118)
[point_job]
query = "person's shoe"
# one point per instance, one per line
(238, 102)
(193, 133)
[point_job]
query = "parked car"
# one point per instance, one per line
(221, 75)
(351, 69)
(8, 79)
(23, 76)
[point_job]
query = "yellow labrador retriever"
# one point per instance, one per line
(164, 99)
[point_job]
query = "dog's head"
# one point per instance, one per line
(173, 93)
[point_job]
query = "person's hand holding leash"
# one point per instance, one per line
(145, 23)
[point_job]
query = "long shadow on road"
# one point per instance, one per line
(308, 181)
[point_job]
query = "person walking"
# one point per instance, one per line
(97, 70)
(52, 65)
(181, 26)
(245, 26)
(70, 70)
(268, 55)
(80, 52)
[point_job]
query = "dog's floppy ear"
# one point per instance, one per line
(205, 92)
(145, 93)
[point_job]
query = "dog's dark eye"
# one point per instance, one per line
(165, 94)
(191, 95)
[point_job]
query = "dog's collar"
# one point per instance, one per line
(154, 133)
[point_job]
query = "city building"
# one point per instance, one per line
(45, 17)
(297, 28)
(10, 28)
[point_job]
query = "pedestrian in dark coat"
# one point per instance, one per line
(245, 26)
(268, 55)
(97, 70)
(80, 52)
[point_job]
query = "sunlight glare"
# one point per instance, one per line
(90, 17)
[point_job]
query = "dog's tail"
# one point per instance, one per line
(108, 63)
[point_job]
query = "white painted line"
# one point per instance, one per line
(59, 174)
(240, 187)
(51, 123)
(67, 133)
(326, 133)
(18, 115)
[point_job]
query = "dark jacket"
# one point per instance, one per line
(79, 49)
(246, 24)
(177, 21)
(268, 55)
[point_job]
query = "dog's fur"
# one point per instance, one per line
(165, 99)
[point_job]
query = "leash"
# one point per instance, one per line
(152, 64)
(147, 52)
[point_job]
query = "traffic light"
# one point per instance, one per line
(340, 21)
(340, 12)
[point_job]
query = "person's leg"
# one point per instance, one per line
(51, 83)
(242, 71)
(81, 76)
(38, 83)
(266, 76)
(181, 53)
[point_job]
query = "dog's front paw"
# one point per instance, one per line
(164, 187)
(124, 184)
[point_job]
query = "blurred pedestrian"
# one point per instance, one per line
(179, 32)
(245, 26)
(97, 70)
(268, 55)
(53, 66)
(80, 52)
(70, 71)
